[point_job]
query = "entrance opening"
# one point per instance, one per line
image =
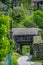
(25, 49)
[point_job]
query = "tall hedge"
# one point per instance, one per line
(4, 30)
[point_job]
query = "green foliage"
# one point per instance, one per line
(12, 44)
(14, 59)
(4, 30)
(15, 62)
(25, 23)
(21, 19)
(25, 49)
(19, 14)
(4, 25)
(28, 22)
(38, 18)
(4, 48)
(26, 3)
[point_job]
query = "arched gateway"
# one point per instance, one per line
(24, 36)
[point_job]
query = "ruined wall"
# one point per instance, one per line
(38, 50)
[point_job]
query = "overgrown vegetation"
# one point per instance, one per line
(20, 19)
(14, 59)
(25, 49)
(4, 31)
(38, 18)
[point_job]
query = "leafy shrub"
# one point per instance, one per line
(38, 18)
(15, 62)
(4, 30)
(19, 14)
(12, 44)
(25, 49)
(14, 59)
(28, 22)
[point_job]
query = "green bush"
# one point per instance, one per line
(28, 22)
(19, 14)
(38, 18)
(15, 62)
(25, 49)
(12, 44)
(4, 31)
(14, 59)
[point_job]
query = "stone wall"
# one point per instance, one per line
(38, 50)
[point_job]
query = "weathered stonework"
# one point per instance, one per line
(38, 50)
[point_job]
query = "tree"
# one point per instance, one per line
(18, 16)
(27, 3)
(38, 18)
(28, 22)
(4, 42)
(22, 19)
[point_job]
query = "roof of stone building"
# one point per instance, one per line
(37, 0)
(2, 4)
(25, 31)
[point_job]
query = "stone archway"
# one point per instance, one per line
(24, 36)
(31, 49)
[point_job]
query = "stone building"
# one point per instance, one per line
(17, 4)
(2, 5)
(3, 8)
(38, 50)
(38, 47)
(24, 36)
(37, 4)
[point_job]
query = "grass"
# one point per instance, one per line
(36, 60)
